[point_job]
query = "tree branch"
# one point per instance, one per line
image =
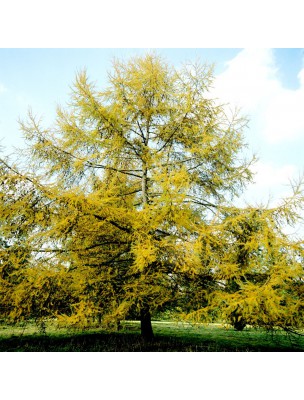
(122, 228)
(123, 171)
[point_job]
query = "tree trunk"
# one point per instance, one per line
(145, 324)
(145, 316)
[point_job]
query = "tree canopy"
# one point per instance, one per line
(124, 207)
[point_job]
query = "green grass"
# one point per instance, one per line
(169, 337)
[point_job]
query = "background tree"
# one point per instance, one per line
(132, 177)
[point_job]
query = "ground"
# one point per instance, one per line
(169, 337)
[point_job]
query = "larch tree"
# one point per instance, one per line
(256, 268)
(31, 285)
(128, 181)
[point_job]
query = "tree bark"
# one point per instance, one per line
(145, 324)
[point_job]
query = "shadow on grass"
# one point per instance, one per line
(132, 342)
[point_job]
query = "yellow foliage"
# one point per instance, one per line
(124, 207)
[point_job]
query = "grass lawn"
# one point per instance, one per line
(169, 337)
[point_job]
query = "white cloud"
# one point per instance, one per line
(271, 183)
(284, 117)
(268, 174)
(251, 82)
(243, 82)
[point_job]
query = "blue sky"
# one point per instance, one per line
(267, 84)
